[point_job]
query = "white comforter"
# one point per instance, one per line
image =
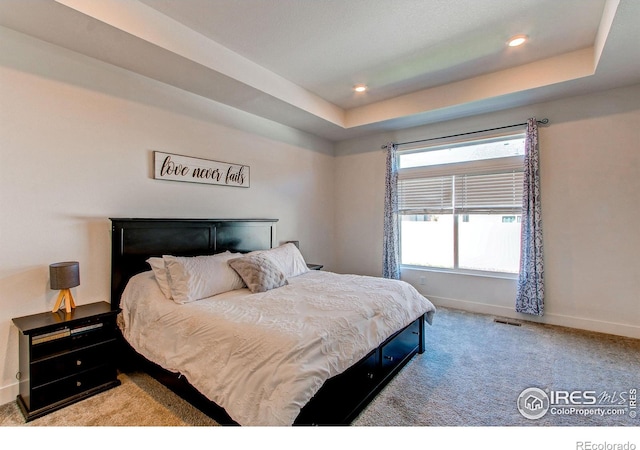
(263, 356)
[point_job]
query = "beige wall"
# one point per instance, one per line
(76, 142)
(590, 168)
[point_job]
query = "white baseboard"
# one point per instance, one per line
(8, 393)
(598, 326)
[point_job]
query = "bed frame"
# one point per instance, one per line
(340, 399)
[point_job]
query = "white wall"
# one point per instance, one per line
(76, 142)
(590, 169)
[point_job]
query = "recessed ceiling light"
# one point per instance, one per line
(360, 88)
(517, 40)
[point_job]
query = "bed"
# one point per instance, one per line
(276, 343)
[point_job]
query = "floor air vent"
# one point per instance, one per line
(507, 322)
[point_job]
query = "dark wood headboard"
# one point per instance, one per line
(133, 241)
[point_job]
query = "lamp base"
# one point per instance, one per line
(66, 297)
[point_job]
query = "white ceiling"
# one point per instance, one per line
(296, 61)
(394, 47)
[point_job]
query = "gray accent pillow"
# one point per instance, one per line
(259, 273)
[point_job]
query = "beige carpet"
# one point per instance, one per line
(138, 401)
(471, 375)
(475, 369)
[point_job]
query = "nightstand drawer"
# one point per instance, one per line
(50, 369)
(68, 387)
(104, 332)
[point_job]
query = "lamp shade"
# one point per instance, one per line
(64, 275)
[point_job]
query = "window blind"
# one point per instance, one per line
(425, 195)
(494, 193)
(463, 193)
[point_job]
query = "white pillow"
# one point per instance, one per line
(288, 258)
(197, 277)
(161, 275)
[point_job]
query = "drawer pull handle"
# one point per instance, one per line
(415, 332)
(78, 363)
(390, 358)
(78, 383)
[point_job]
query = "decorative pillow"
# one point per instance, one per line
(288, 258)
(259, 272)
(161, 275)
(197, 277)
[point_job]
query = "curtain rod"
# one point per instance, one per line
(542, 121)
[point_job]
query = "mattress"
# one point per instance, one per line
(263, 356)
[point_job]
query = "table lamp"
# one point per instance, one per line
(64, 275)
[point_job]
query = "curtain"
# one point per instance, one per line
(530, 293)
(390, 245)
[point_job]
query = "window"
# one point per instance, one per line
(460, 205)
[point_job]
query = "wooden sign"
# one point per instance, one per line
(168, 166)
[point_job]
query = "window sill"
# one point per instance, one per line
(472, 273)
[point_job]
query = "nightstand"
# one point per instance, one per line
(315, 266)
(65, 358)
